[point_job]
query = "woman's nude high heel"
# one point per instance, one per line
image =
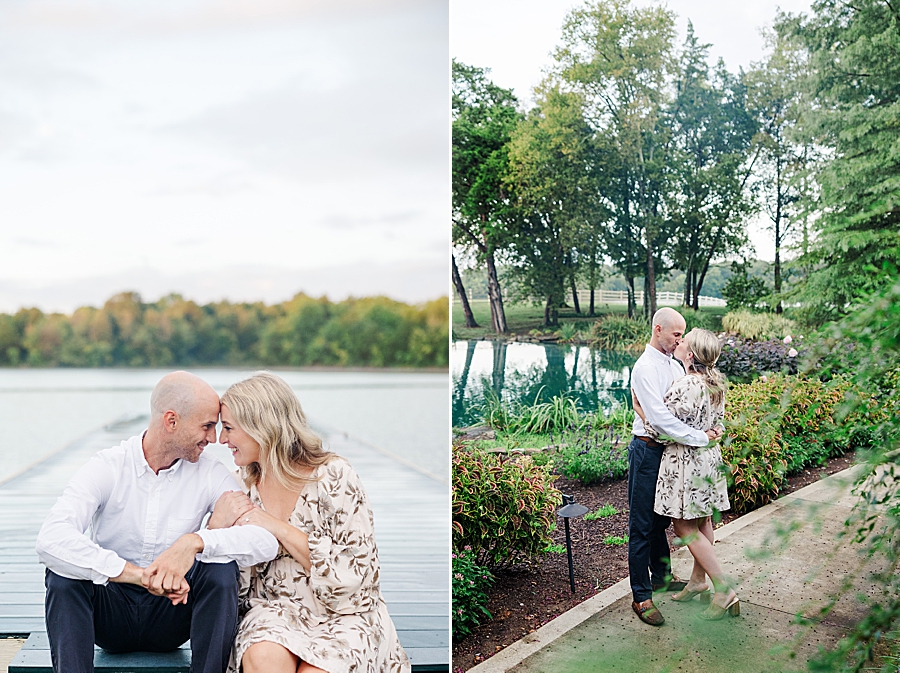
(686, 594)
(714, 612)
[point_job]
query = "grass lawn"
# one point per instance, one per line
(522, 318)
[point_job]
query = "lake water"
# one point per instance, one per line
(523, 372)
(403, 413)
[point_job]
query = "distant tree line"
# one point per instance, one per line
(174, 331)
(640, 156)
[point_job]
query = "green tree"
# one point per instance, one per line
(550, 164)
(712, 163)
(619, 59)
(484, 115)
(853, 83)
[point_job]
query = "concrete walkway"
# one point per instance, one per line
(785, 558)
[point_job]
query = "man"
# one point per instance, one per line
(146, 577)
(648, 547)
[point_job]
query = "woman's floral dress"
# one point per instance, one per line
(691, 482)
(334, 616)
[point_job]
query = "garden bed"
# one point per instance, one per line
(525, 598)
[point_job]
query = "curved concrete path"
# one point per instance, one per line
(785, 558)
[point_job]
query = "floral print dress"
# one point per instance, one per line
(691, 482)
(334, 616)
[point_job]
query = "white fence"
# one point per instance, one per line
(621, 297)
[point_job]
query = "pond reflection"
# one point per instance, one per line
(523, 372)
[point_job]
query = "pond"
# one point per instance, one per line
(526, 372)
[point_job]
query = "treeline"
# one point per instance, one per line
(640, 155)
(371, 331)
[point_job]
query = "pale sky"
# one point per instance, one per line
(515, 39)
(239, 149)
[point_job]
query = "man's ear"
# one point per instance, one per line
(170, 421)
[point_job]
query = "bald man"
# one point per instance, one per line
(649, 567)
(128, 567)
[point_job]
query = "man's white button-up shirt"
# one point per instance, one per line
(116, 509)
(651, 377)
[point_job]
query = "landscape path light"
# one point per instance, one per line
(570, 510)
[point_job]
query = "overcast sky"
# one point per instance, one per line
(515, 40)
(240, 149)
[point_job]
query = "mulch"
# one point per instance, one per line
(525, 598)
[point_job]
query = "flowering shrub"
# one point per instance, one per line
(743, 360)
(470, 584)
(779, 425)
(503, 510)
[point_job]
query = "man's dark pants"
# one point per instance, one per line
(127, 618)
(648, 547)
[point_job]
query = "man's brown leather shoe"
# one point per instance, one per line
(648, 613)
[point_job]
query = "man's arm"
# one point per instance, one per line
(248, 545)
(645, 386)
(62, 544)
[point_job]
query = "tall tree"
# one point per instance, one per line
(774, 94)
(619, 59)
(853, 81)
(711, 162)
(484, 115)
(550, 166)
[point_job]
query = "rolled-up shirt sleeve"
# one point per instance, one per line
(650, 391)
(248, 545)
(63, 544)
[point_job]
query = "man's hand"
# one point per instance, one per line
(714, 434)
(165, 576)
(230, 506)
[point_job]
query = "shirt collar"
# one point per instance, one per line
(657, 354)
(141, 466)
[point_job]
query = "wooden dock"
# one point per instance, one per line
(412, 528)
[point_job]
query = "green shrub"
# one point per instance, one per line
(758, 325)
(779, 425)
(616, 540)
(503, 510)
(616, 332)
(701, 319)
(470, 584)
(593, 454)
(567, 332)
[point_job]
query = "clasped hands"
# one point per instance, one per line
(165, 576)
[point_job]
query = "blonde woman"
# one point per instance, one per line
(691, 485)
(317, 606)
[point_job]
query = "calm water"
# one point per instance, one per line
(43, 410)
(522, 372)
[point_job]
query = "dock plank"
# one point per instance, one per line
(412, 523)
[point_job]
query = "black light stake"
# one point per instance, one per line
(570, 510)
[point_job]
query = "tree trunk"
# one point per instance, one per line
(632, 304)
(461, 291)
(650, 283)
(779, 197)
(551, 311)
(686, 296)
(574, 294)
(498, 317)
(591, 309)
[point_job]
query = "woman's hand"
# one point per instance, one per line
(256, 516)
(295, 541)
(229, 508)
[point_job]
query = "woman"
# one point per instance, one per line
(317, 606)
(691, 484)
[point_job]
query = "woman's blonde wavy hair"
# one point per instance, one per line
(706, 348)
(266, 408)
